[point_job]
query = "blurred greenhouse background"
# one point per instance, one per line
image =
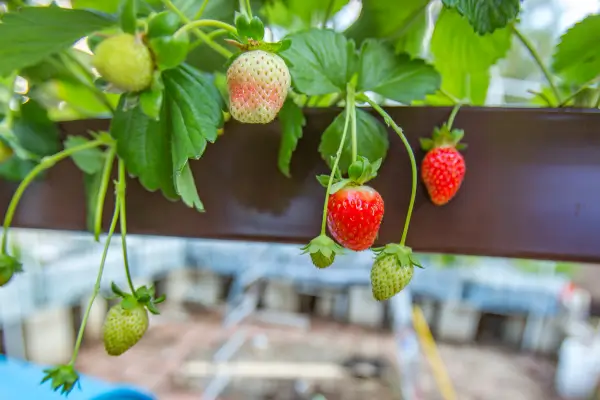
(506, 329)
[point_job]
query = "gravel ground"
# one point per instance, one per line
(477, 373)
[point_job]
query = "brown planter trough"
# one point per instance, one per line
(532, 187)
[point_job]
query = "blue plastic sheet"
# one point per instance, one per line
(20, 380)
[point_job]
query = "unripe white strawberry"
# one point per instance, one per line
(258, 83)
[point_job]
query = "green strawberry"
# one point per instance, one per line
(392, 270)
(322, 250)
(124, 61)
(258, 83)
(125, 324)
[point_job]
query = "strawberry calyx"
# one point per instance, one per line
(8, 267)
(403, 254)
(322, 250)
(62, 377)
(143, 296)
(360, 172)
(444, 137)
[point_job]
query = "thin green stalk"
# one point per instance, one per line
(533, 52)
(201, 35)
(88, 309)
(206, 22)
(249, 8)
(450, 96)
(578, 91)
(121, 196)
(327, 13)
(453, 115)
(413, 163)
(106, 172)
(46, 163)
(352, 110)
(336, 162)
(201, 10)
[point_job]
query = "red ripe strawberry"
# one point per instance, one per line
(443, 167)
(354, 214)
(258, 83)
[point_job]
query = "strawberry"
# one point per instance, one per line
(124, 326)
(322, 251)
(258, 83)
(354, 215)
(443, 167)
(125, 62)
(392, 270)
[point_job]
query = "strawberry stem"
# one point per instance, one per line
(413, 164)
(452, 116)
(123, 218)
(206, 22)
(246, 7)
(538, 60)
(201, 10)
(351, 104)
(338, 155)
(201, 35)
(106, 173)
(47, 162)
(88, 309)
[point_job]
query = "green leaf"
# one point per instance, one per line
(186, 187)
(35, 132)
(34, 33)
(388, 19)
(291, 120)
(195, 110)
(323, 61)
(395, 77)
(89, 161)
(372, 139)
(81, 98)
(144, 145)
(577, 56)
(412, 38)
(15, 169)
(485, 16)
(151, 102)
(299, 14)
(128, 16)
(463, 57)
(107, 6)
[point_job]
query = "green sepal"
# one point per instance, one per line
(151, 99)
(362, 170)
(256, 30)
(251, 44)
(128, 16)
(9, 266)
(129, 302)
(443, 137)
(164, 23)
(403, 254)
(170, 51)
(117, 290)
(62, 377)
(242, 25)
(322, 250)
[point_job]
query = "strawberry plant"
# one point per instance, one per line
(169, 74)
